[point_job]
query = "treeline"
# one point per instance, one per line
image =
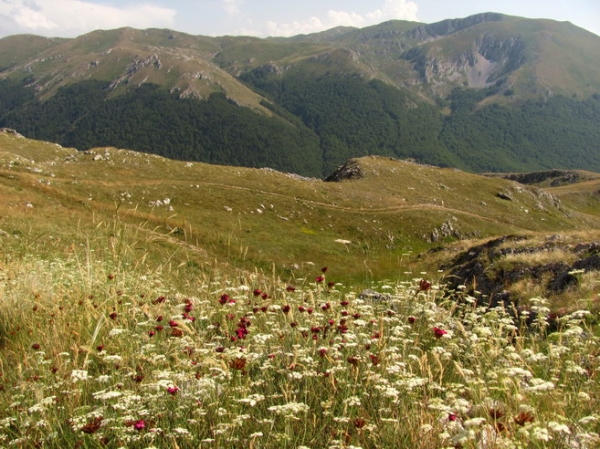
(150, 119)
(317, 124)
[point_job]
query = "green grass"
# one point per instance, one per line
(248, 217)
(215, 325)
(100, 348)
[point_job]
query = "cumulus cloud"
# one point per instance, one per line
(391, 9)
(69, 18)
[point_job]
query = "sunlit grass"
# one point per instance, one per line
(103, 348)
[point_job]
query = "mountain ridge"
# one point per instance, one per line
(454, 93)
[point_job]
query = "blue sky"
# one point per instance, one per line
(69, 18)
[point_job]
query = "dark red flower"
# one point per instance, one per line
(100, 348)
(93, 425)
(439, 333)
(289, 288)
(113, 316)
(301, 309)
(140, 424)
(159, 300)
(330, 284)
(319, 279)
(172, 390)
(359, 423)
(159, 318)
(226, 299)
(257, 292)
(424, 285)
(36, 346)
(411, 319)
(286, 308)
(452, 417)
(173, 323)
(344, 303)
(324, 269)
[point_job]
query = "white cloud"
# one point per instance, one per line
(69, 18)
(391, 9)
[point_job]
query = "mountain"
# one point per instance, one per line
(485, 93)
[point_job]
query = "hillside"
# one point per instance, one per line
(484, 93)
(376, 225)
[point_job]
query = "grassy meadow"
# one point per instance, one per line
(200, 322)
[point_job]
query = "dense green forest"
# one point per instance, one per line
(317, 124)
(151, 120)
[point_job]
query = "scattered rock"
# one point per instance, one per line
(504, 196)
(372, 294)
(350, 170)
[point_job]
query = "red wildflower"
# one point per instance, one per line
(35, 346)
(173, 323)
(93, 425)
(173, 390)
(439, 333)
(424, 285)
(324, 269)
(285, 308)
(113, 316)
(330, 284)
(290, 289)
(226, 299)
(452, 417)
(140, 424)
(412, 319)
(319, 279)
(159, 300)
(257, 292)
(359, 423)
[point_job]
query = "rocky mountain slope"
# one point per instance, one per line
(451, 93)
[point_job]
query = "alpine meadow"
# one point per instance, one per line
(385, 237)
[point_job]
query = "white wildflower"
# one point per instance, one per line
(540, 433)
(79, 375)
(289, 409)
(559, 428)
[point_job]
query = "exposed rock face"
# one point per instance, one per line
(350, 170)
(477, 268)
(555, 177)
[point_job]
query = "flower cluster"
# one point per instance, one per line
(230, 364)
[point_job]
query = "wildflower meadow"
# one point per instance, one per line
(98, 352)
